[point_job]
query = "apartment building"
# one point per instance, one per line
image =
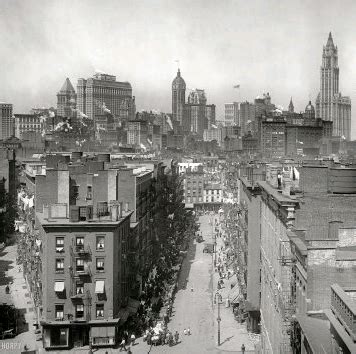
(84, 236)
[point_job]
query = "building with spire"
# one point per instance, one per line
(178, 98)
(66, 100)
(291, 106)
(330, 104)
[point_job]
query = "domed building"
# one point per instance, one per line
(309, 111)
(178, 97)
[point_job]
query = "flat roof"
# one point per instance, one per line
(103, 221)
(282, 198)
(317, 332)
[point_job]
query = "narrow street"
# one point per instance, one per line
(196, 310)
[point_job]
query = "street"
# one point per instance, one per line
(19, 297)
(196, 310)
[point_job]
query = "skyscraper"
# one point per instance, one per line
(102, 95)
(178, 98)
(232, 114)
(6, 120)
(330, 104)
(66, 100)
(197, 114)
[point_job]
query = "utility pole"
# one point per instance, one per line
(218, 298)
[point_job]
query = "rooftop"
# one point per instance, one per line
(316, 330)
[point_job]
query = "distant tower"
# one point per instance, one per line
(330, 105)
(178, 98)
(7, 122)
(66, 100)
(291, 106)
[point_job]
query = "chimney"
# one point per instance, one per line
(286, 184)
(333, 231)
(119, 210)
(126, 207)
(45, 212)
(114, 213)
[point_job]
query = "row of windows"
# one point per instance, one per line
(79, 311)
(79, 242)
(80, 265)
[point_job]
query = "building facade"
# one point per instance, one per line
(25, 123)
(330, 104)
(178, 98)
(6, 120)
(103, 95)
(247, 115)
(232, 114)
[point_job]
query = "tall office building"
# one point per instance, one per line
(247, 116)
(232, 114)
(66, 100)
(178, 98)
(6, 120)
(330, 104)
(197, 114)
(103, 95)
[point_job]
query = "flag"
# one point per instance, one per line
(236, 86)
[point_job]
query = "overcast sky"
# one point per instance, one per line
(265, 46)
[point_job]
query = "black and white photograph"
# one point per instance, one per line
(177, 177)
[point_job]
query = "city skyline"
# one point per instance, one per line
(262, 46)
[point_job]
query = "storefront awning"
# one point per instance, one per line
(234, 294)
(123, 315)
(99, 287)
(103, 332)
(59, 286)
(133, 305)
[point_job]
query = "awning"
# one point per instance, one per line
(133, 305)
(59, 286)
(235, 295)
(103, 332)
(99, 287)
(123, 315)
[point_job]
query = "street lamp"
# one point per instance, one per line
(218, 298)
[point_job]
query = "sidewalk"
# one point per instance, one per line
(20, 297)
(232, 333)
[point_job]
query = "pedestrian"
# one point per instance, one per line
(176, 337)
(129, 351)
(188, 331)
(243, 348)
(185, 332)
(133, 338)
(123, 345)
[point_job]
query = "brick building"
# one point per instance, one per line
(84, 257)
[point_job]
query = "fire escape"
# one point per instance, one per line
(80, 272)
(286, 293)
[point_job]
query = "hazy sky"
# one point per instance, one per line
(265, 46)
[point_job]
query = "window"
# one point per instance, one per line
(59, 312)
(59, 265)
(79, 265)
(79, 288)
(99, 310)
(100, 264)
(82, 213)
(59, 244)
(100, 243)
(89, 193)
(79, 311)
(79, 242)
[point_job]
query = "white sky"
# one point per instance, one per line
(265, 46)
